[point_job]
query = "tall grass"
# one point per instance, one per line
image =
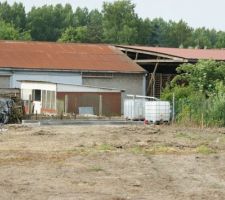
(199, 110)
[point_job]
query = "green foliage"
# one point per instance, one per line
(179, 34)
(119, 22)
(72, 34)
(200, 93)
(81, 16)
(201, 38)
(220, 43)
(25, 36)
(203, 76)
(95, 27)
(8, 32)
(48, 22)
(14, 14)
(203, 149)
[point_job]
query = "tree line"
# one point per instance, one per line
(116, 23)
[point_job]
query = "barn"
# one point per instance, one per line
(90, 65)
(161, 63)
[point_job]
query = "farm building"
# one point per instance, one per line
(95, 66)
(161, 63)
(56, 98)
(93, 75)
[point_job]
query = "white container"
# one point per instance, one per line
(134, 109)
(157, 111)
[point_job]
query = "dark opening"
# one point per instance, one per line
(37, 95)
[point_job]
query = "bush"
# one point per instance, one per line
(199, 93)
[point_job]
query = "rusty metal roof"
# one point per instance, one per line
(65, 56)
(190, 54)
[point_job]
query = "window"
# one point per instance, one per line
(37, 95)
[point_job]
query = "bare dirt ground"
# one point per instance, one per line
(112, 163)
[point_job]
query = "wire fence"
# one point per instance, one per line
(204, 112)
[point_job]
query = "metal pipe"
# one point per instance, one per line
(144, 97)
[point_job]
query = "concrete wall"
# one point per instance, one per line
(131, 83)
(4, 81)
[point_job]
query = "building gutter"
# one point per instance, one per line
(69, 70)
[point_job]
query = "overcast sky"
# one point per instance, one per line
(197, 13)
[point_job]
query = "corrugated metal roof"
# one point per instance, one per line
(191, 54)
(61, 56)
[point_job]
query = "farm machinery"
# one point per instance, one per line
(11, 107)
(6, 106)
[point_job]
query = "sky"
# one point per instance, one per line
(197, 13)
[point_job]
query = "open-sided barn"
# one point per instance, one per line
(161, 63)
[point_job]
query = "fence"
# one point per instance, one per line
(200, 111)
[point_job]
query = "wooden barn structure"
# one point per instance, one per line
(161, 63)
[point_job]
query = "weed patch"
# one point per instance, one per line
(203, 149)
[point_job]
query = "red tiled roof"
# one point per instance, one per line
(195, 54)
(60, 56)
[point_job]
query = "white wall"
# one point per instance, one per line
(27, 87)
(38, 86)
(56, 77)
(79, 88)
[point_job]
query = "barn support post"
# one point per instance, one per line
(136, 56)
(30, 104)
(161, 84)
(151, 85)
(173, 114)
(100, 105)
(66, 103)
(133, 110)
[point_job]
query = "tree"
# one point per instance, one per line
(119, 22)
(14, 14)
(158, 35)
(8, 32)
(94, 27)
(143, 31)
(220, 43)
(179, 34)
(48, 22)
(203, 77)
(81, 16)
(72, 34)
(200, 38)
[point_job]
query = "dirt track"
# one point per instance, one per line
(112, 163)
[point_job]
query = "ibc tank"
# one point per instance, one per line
(134, 109)
(157, 111)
